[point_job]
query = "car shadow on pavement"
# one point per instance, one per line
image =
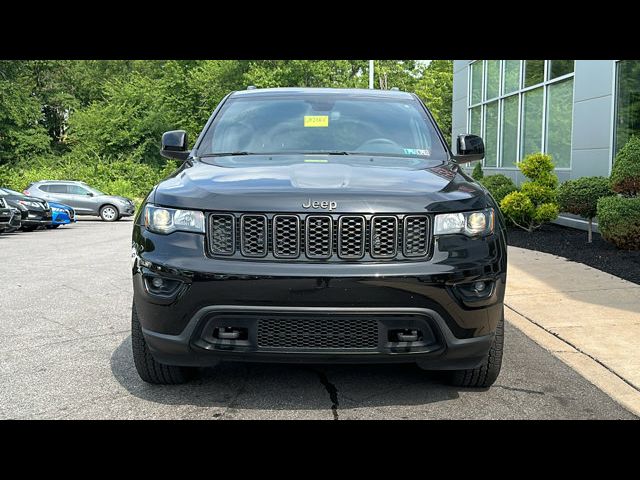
(261, 386)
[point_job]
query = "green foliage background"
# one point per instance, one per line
(101, 121)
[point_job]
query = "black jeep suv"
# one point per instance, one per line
(319, 225)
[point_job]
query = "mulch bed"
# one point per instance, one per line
(572, 244)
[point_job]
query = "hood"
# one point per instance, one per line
(348, 184)
(59, 205)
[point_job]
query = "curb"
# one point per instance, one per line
(607, 381)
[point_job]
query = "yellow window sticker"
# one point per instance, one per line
(316, 120)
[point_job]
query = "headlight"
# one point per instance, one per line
(168, 220)
(57, 210)
(30, 203)
(468, 223)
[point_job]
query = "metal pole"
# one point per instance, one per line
(371, 74)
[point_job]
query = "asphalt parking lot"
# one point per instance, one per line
(65, 352)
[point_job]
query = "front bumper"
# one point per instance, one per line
(206, 294)
(5, 217)
(60, 218)
(127, 210)
(37, 218)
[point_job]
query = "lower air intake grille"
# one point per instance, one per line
(320, 333)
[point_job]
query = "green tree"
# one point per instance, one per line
(435, 87)
(21, 132)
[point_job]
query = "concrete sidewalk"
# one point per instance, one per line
(588, 318)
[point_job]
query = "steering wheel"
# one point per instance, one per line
(378, 141)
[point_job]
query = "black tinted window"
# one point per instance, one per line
(77, 190)
(54, 188)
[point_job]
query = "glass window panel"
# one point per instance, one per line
(510, 131)
(533, 72)
(559, 113)
(491, 135)
(493, 79)
(511, 76)
(557, 68)
(474, 127)
(627, 102)
(531, 130)
(476, 82)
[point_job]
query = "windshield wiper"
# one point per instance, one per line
(226, 154)
(328, 152)
(301, 152)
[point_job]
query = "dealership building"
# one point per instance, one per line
(581, 112)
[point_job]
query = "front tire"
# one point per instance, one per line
(486, 374)
(148, 368)
(109, 213)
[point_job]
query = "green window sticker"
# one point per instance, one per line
(417, 151)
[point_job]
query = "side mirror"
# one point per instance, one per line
(469, 148)
(90, 194)
(174, 145)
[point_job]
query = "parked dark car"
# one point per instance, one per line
(39, 212)
(317, 226)
(6, 215)
(85, 200)
(20, 213)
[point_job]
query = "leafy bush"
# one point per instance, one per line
(619, 221)
(535, 203)
(518, 208)
(539, 194)
(625, 174)
(477, 173)
(499, 186)
(539, 168)
(580, 197)
(546, 212)
(120, 176)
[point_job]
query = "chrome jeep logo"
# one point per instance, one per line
(324, 204)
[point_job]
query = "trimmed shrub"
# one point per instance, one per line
(625, 174)
(539, 194)
(499, 186)
(539, 168)
(580, 197)
(518, 208)
(477, 173)
(536, 202)
(619, 221)
(546, 213)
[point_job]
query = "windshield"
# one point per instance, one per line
(322, 123)
(94, 190)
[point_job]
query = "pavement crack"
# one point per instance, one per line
(240, 391)
(516, 389)
(331, 390)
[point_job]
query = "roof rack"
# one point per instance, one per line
(251, 87)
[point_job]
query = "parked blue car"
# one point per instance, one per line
(61, 214)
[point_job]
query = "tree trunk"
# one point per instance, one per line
(590, 229)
